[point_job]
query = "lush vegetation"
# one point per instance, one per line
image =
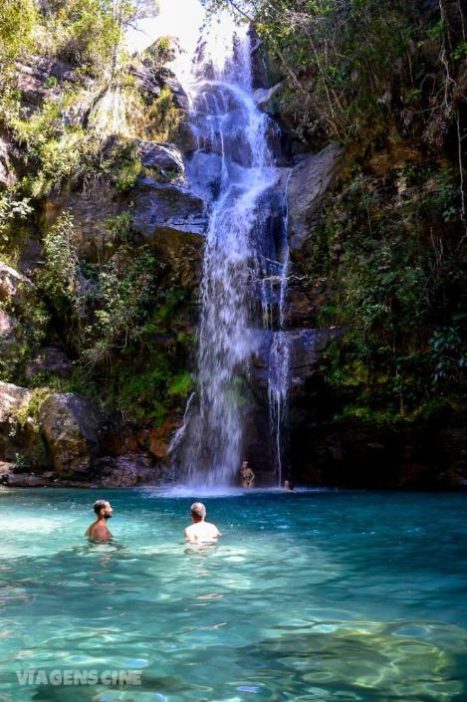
(387, 262)
(72, 112)
(385, 78)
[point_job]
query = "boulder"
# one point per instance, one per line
(13, 284)
(169, 215)
(71, 426)
(24, 480)
(20, 438)
(310, 179)
(264, 96)
(92, 207)
(128, 470)
(49, 360)
(12, 399)
(6, 470)
(165, 158)
(7, 327)
(42, 77)
(7, 173)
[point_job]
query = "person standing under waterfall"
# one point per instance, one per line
(201, 532)
(247, 476)
(98, 531)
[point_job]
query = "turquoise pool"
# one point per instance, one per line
(309, 596)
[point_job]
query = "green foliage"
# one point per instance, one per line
(122, 288)
(449, 358)
(61, 278)
(121, 164)
(353, 67)
(388, 278)
(114, 312)
(119, 227)
(84, 32)
(30, 410)
(31, 320)
(164, 117)
(18, 19)
(181, 384)
(128, 175)
(13, 208)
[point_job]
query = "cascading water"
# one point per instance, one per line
(233, 169)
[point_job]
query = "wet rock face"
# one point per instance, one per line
(305, 348)
(165, 158)
(356, 454)
(162, 208)
(167, 215)
(71, 427)
(173, 221)
(310, 180)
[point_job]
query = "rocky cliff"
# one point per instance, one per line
(101, 241)
(99, 274)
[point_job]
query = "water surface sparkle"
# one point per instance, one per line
(321, 595)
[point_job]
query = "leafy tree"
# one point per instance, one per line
(18, 19)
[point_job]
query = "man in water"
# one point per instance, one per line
(201, 532)
(98, 530)
(247, 475)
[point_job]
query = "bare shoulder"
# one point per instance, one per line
(90, 529)
(99, 531)
(213, 528)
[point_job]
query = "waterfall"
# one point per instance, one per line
(233, 169)
(279, 365)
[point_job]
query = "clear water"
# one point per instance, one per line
(311, 596)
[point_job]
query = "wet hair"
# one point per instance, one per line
(198, 510)
(99, 504)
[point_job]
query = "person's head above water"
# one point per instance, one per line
(198, 511)
(103, 509)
